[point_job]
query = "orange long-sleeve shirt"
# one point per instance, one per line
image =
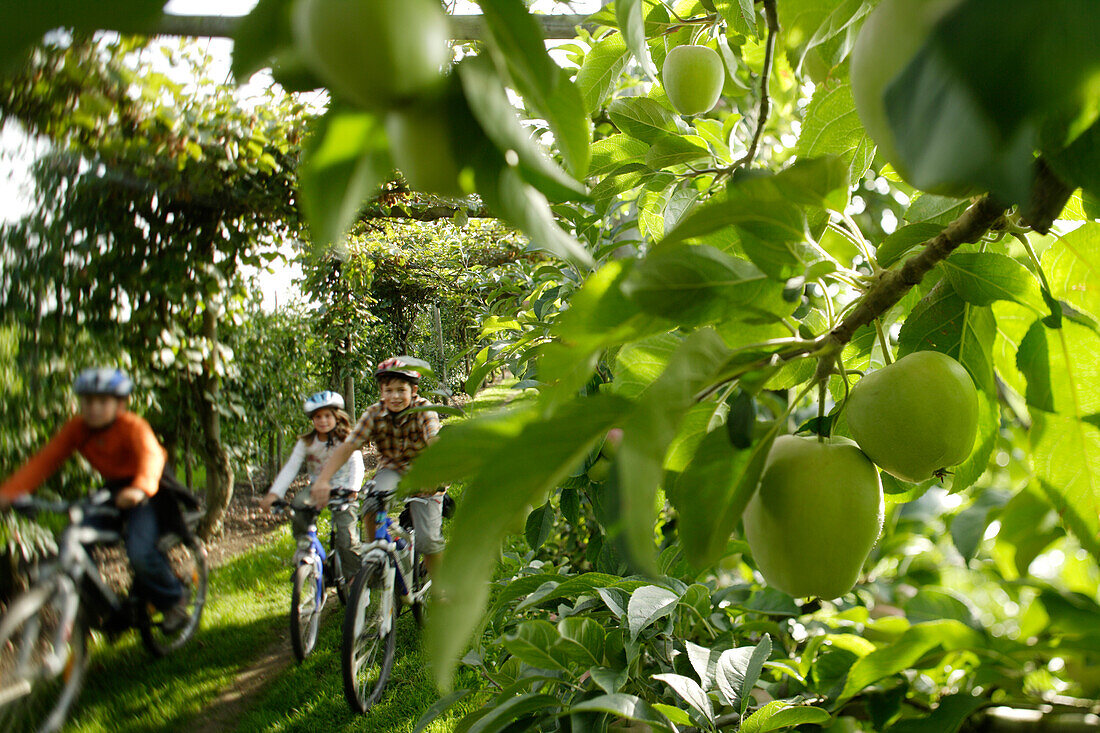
(127, 449)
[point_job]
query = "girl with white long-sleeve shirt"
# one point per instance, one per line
(331, 426)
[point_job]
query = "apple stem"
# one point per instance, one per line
(822, 388)
(883, 342)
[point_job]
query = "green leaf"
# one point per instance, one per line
(540, 522)
(930, 209)
(983, 277)
(534, 643)
(901, 242)
(519, 471)
(582, 639)
(518, 36)
(948, 717)
(967, 473)
(489, 103)
(1065, 453)
(1043, 62)
(259, 35)
(945, 139)
(691, 692)
(631, 20)
(712, 493)
(564, 111)
(505, 192)
(740, 14)
(1079, 163)
(672, 150)
(600, 70)
(639, 363)
(615, 151)
(647, 605)
(918, 640)
(642, 118)
(500, 717)
(609, 680)
(1072, 265)
(1061, 366)
(651, 430)
(674, 714)
(831, 127)
(344, 161)
(777, 715)
(944, 322)
(437, 708)
(623, 705)
(694, 284)
(738, 671)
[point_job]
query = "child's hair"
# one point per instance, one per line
(338, 433)
(387, 378)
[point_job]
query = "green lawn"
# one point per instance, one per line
(128, 690)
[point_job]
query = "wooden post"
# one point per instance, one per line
(349, 395)
(437, 322)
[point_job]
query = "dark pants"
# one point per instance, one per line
(153, 577)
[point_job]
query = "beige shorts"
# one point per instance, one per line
(426, 511)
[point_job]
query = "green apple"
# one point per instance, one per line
(693, 78)
(377, 53)
(888, 41)
(600, 471)
(422, 144)
(915, 416)
(815, 516)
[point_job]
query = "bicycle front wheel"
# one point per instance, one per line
(366, 654)
(305, 610)
(187, 558)
(43, 658)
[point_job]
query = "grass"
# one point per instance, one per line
(310, 697)
(128, 690)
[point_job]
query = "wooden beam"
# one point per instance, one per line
(463, 27)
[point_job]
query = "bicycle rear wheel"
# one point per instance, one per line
(305, 610)
(42, 660)
(366, 653)
(187, 558)
(338, 578)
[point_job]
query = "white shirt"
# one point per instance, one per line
(348, 476)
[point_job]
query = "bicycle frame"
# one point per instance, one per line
(401, 550)
(74, 565)
(314, 552)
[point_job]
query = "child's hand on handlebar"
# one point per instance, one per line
(268, 501)
(130, 497)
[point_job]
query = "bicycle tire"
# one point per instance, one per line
(305, 611)
(188, 560)
(32, 698)
(365, 677)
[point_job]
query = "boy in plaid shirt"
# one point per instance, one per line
(399, 435)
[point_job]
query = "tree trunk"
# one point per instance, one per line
(437, 322)
(219, 472)
(278, 450)
(349, 395)
(272, 457)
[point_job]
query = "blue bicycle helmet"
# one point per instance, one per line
(103, 380)
(323, 399)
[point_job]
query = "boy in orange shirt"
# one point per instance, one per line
(122, 447)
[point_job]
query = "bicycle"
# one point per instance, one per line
(44, 634)
(315, 571)
(391, 576)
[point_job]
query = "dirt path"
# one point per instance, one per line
(223, 712)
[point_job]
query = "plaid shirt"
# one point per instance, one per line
(399, 437)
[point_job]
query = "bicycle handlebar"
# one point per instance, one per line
(98, 502)
(337, 498)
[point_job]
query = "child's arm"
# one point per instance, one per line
(357, 471)
(150, 459)
(43, 464)
(363, 431)
(285, 477)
